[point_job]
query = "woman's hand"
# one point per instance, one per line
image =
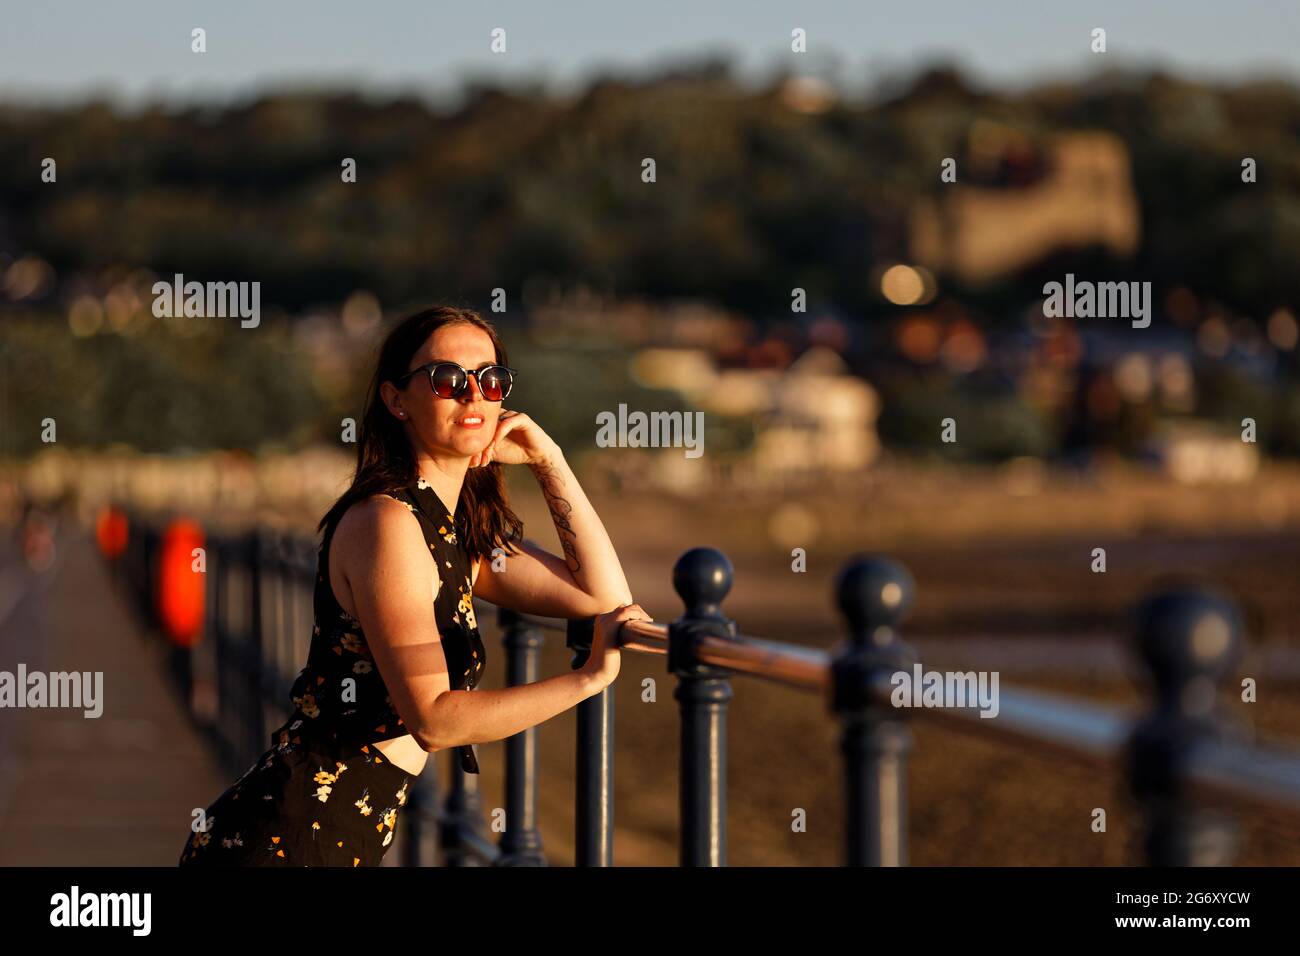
(518, 441)
(603, 662)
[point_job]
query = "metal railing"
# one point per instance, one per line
(1178, 758)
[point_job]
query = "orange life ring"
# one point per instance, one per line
(181, 583)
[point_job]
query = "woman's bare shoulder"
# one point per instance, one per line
(381, 556)
(380, 520)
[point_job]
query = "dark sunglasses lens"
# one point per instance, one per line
(494, 382)
(448, 380)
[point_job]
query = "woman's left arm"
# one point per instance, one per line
(588, 579)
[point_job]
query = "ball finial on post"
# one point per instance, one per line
(702, 577)
(1188, 640)
(874, 592)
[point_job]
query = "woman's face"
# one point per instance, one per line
(456, 426)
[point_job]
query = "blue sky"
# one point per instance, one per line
(137, 50)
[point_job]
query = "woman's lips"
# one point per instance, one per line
(470, 421)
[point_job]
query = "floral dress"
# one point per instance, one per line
(323, 794)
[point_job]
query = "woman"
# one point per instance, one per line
(396, 650)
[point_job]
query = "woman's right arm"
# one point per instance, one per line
(487, 715)
(391, 577)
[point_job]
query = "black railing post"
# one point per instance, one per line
(594, 810)
(274, 588)
(702, 577)
(244, 691)
(420, 819)
(874, 593)
(229, 720)
(521, 844)
(1188, 640)
(461, 828)
(203, 699)
(180, 654)
(253, 651)
(149, 591)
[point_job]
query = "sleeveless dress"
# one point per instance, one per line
(323, 795)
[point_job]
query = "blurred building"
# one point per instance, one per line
(1194, 453)
(1083, 197)
(811, 419)
(821, 418)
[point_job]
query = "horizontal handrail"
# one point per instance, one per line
(1266, 778)
(1055, 723)
(644, 636)
(1259, 777)
(802, 667)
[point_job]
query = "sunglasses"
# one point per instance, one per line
(449, 380)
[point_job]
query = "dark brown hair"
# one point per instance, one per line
(386, 464)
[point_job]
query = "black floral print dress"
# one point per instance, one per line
(323, 795)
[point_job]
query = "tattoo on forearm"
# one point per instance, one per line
(560, 510)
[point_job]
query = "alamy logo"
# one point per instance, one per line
(102, 909)
(919, 688)
(221, 300)
(656, 430)
(1102, 300)
(56, 689)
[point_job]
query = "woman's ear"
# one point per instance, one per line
(393, 399)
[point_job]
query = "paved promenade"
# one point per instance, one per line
(114, 790)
